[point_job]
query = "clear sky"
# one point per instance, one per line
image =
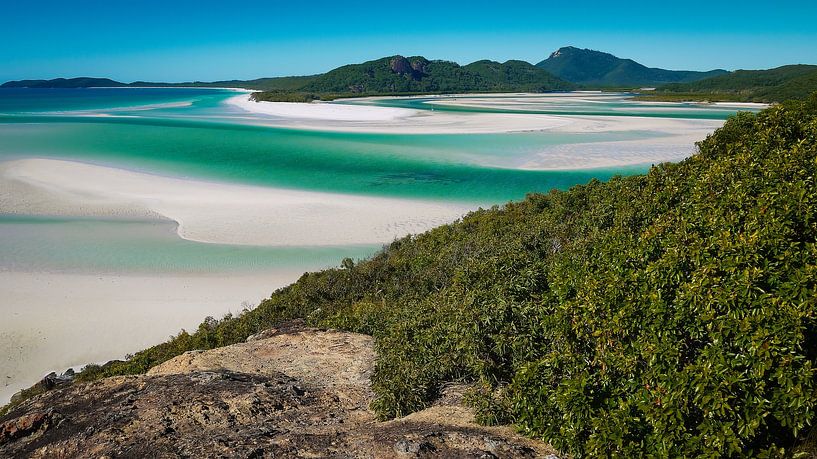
(183, 40)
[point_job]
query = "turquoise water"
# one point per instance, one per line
(591, 105)
(25, 100)
(192, 133)
(442, 167)
(147, 247)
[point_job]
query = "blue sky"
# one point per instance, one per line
(206, 40)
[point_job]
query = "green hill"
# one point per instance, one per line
(81, 82)
(594, 68)
(774, 85)
(397, 74)
(672, 314)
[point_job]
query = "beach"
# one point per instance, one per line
(54, 321)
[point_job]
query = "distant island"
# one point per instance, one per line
(68, 83)
(568, 68)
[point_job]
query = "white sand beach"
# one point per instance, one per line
(374, 119)
(387, 120)
(321, 111)
(53, 321)
(215, 212)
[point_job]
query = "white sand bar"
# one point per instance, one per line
(215, 212)
(374, 119)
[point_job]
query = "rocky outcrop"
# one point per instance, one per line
(289, 392)
(401, 65)
(414, 69)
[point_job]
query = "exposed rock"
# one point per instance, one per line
(414, 69)
(401, 65)
(288, 392)
(27, 425)
(420, 65)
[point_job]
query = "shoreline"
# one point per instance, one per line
(216, 212)
(332, 117)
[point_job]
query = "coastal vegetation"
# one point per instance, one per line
(666, 314)
(774, 85)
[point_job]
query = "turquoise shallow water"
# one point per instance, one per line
(25, 100)
(144, 247)
(592, 104)
(191, 133)
(442, 167)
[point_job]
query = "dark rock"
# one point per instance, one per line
(401, 65)
(420, 65)
(26, 425)
(413, 448)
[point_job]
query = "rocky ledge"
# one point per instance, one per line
(289, 392)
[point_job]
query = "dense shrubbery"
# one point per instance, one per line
(671, 314)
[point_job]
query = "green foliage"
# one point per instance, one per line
(417, 75)
(667, 315)
(597, 69)
(284, 96)
(774, 85)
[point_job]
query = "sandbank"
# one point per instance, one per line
(360, 117)
(215, 212)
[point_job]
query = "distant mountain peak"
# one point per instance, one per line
(567, 50)
(597, 68)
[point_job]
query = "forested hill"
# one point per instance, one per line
(398, 74)
(597, 69)
(672, 314)
(774, 85)
(81, 82)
